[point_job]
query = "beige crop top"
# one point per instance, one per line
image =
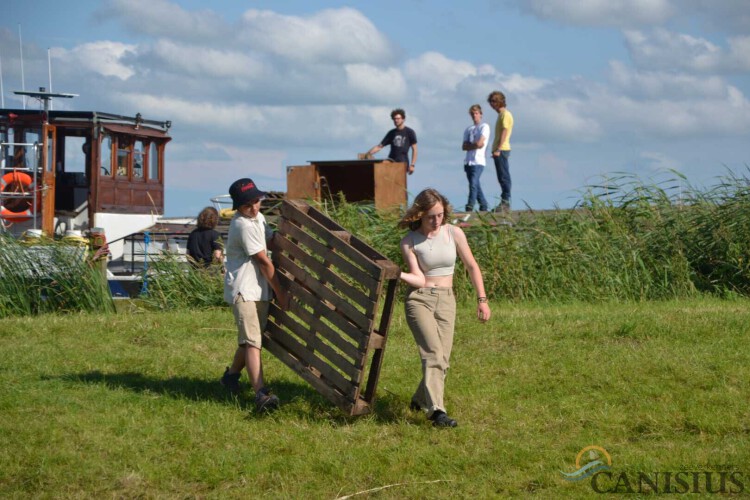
(436, 256)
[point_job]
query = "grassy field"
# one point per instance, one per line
(129, 405)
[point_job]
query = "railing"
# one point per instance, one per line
(34, 171)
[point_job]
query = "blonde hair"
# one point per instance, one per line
(423, 202)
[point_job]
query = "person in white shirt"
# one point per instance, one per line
(476, 138)
(249, 274)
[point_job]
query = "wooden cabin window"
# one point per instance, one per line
(106, 155)
(153, 162)
(139, 155)
(124, 155)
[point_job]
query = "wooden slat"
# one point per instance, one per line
(325, 274)
(358, 245)
(341, 246)
(348, 310)
(329, 255)
(377, 358)
(376, 341)
(325, 336)
(316, 344)
(281, 337)
(325, 311)
(325, 331)
(304, 371)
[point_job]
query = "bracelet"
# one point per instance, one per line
(482, 300)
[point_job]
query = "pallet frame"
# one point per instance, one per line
(335, 330)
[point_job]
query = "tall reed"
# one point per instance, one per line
(624, 240)
(174, 284)
(46, 276)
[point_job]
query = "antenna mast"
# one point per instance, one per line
(49, 70)
(2, 92)
(20, 48)
(44, 96)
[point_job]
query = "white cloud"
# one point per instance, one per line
(662, 84)
(432, 72)
(375, 83)
(565, 118)
(164, 18)
(662, 49)
(658, 162)
(600, 12)
(722, 15)
(342, 36)
(103, 58)
(208, 62)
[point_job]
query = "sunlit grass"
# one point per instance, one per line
(130, 406)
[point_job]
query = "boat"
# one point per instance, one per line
(80, 173)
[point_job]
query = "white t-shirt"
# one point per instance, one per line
(472, 134)
(246, 238)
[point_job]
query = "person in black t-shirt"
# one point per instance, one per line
(400, 139)
(204, 245)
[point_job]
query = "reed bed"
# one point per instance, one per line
(624, 240)
(47, 276)
(173, 284)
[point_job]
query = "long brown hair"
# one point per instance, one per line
(423, 202)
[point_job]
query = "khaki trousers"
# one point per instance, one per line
(431, 316)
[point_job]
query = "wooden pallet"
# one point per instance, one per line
(335, 330)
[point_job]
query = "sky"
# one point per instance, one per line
(651, 88)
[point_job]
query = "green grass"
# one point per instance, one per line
(128, 405)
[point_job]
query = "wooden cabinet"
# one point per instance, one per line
(381, 182)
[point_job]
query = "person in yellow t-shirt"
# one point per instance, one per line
(501, 146)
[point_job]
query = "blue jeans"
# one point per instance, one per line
(502, 166)
(473, 173)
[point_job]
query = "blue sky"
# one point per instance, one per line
(595, 86)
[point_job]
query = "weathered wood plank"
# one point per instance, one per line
(329, 255)
(358, 245)
(341, 246)
(353, 314)
(327, 335)
(377, 358)
(315, 344)
(313, 319)
(326, 311)
(325, 274)
(281, 337)
(314, 380)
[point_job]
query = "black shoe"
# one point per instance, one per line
(414, 406)
(231, 381)
(440, 419)
(265, 401)
(468, 208)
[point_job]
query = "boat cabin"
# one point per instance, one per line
(79, 170)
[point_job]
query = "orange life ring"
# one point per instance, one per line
(18, 209)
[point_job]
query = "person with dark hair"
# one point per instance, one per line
(400, 139)
(429, 251)
(501, 146)
(204, 246)
(475, 142)
(249, 278)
